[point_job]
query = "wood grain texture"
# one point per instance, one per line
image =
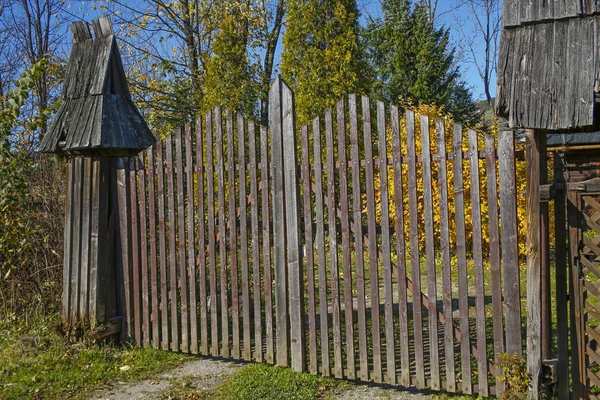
(202, 278)
(181, 247)
(212, 251)
(161, 195)
(173, 281)
(191, 239)
(152, 243)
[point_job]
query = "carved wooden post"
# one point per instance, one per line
(98, 129)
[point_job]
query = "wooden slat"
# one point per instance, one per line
(134, 233)
(183, 271)
(258, 354)
(86, 210)
(202, 289)
(320, 244)
(560, 248)
(220, 166)
(446, 263)
(309, 246)
(163, 267)
(461, 257)
(295, 265)
(414, 247)
(385, 247)
(477, 241)
(76, 240)
(346, 252)
(154, 282)
(233, 244)
(510, 249)
(333, 248)
(400, 249)
(430, 253)
(279, 264)
(268, 280)
(144, 252)
(496, 273)
(372, 229)
(191, 240)
(68, 262)
(247, 351)
(212, 251)
(173, 298)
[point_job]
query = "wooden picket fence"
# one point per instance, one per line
(344, 248)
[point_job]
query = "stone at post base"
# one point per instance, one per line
(98, 129)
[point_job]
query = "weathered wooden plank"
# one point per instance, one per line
(494, 257)
(385, 247)
(154, 282)
(96, 179)
(535, 146)
(220, 166)
(183, 270)
(372, 229)
(144, 252)
(509, 239)
(461, 250)
(445, 250)
(400, 248)
(560, 248)
(432, 320)
(333, 248)
(212, 251)
(477, 241)
(163, 267)
(241, 135)
(233, 244)
(75, 291)
(320, 244)
(309, 248)
(173, 298)
(256, 296)
(292, 218)
(191, 240)
(346, 252)
(84, 267)
(358, 243)
(68, 262)
(121, 201)
(265, 170)
(202, 290)
(414, 247)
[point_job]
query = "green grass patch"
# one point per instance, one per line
(264, 382)
(37, 362)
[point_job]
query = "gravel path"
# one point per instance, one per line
(206, 374)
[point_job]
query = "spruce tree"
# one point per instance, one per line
(321, 58)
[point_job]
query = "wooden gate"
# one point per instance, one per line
(366, 246)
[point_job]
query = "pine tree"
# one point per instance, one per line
(321, 58)
(413, 61)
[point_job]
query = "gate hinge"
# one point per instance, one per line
(547, 192)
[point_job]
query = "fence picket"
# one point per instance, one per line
(172, 246)
(164, 304)
(212, 251)
(201, 238)
(183, 278)
(233, 244)
(191, 240)
(152, 243)
(144, 252)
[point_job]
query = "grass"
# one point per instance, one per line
(37, 362)
(262, 382)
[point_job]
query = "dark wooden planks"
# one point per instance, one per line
(333, 247)
(164, 302)
(461, 256)
(242, 182)
(172, 245)
(256, 264)
(385, 247)
(191, 241)
(445, 250)
(477, 241)
(494, 257)
(220, 166)
(265, 173)
(358, 253)
(154, 277)
(144, 252)
(212, 251)
(320, 245)
(183, 272)
(414, 247)
(202, 289)
(233, 244)
(509, 239)
(400, 249)
(310, 256)
(68, 262)
(134, 237)
(346, 251)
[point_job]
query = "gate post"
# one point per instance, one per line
(98, 128)
(289, 273)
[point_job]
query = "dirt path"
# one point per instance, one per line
(206, 374)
